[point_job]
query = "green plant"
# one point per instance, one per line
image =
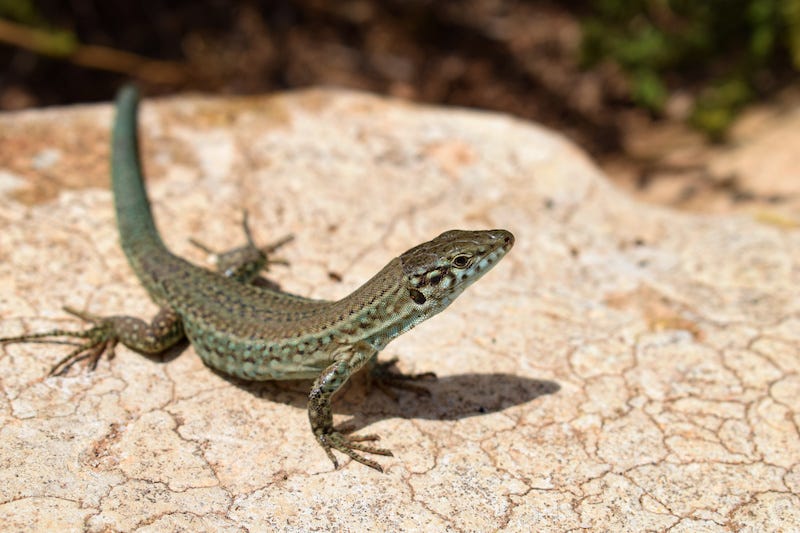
(725, 51)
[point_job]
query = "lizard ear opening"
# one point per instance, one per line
(417, 296)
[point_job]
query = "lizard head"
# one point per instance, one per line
(438, 271)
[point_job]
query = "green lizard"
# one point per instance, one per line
(259, 333)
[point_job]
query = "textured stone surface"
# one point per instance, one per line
(626, 367)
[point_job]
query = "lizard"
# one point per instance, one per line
(261, 333)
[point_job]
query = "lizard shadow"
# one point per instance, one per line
(451, 397)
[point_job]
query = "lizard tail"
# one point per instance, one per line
(138, 234)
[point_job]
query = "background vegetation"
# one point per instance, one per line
(584, 67)
(726, 52)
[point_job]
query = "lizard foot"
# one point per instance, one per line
(350, 445)
(98, 340)
(385, 379)
(245, 262)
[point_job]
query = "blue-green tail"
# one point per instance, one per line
(137, 231)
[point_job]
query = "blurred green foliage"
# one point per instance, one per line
(44, 38)
(724, 51)
(20, 11)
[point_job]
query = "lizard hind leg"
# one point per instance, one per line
(101, 338)
(97, 340)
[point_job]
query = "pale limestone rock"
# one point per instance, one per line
(626, 367)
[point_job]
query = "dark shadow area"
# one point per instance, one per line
(435, 52)
(451, 397)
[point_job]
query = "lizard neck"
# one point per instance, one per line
(382, 308)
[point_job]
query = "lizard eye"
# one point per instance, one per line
(462, 261)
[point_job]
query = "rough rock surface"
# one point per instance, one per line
(626, 367)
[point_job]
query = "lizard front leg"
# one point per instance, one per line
(245, 263)
(321, 416)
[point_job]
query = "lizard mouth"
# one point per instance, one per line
(504, 240)
(501, 243)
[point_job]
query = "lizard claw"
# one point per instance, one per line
(100, 340)
(97, 340)
(349, 445)
(92, 350)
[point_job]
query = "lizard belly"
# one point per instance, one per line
(256, 359)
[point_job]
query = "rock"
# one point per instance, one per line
(625, 366)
